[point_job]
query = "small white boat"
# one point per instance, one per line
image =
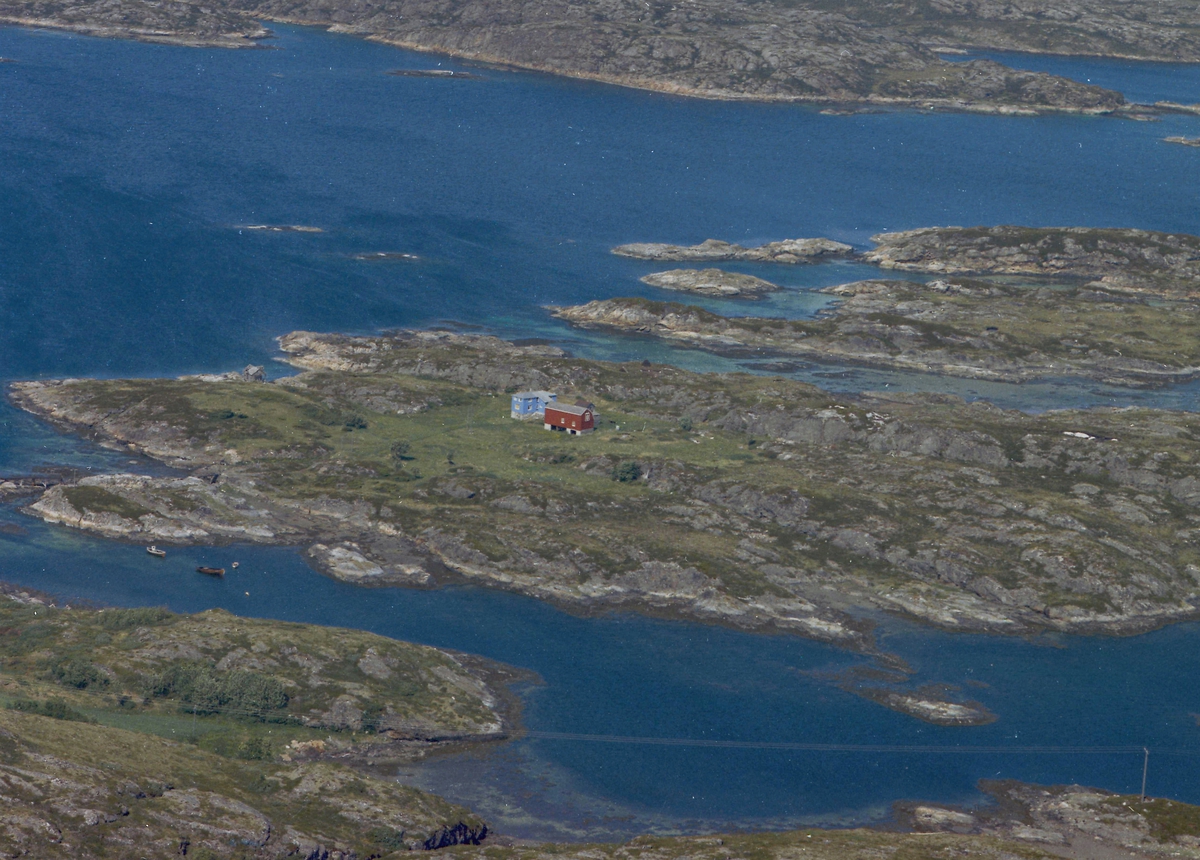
(234, 565)
(156, 552)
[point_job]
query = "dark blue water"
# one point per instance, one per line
(126, 171)
(128, 167)
(632, 676)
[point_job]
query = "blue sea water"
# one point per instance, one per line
(128, 176)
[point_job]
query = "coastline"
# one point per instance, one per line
(236, 36)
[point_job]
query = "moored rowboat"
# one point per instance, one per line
(211, 571)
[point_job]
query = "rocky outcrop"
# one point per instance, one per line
(714, 250)
(460, 834)
(67, 784)
(930, 709)
(1166, 264)
(711, 282)
(1069, 820)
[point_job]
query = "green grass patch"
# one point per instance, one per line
(97, 500)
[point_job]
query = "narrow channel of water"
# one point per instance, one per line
(629, 676)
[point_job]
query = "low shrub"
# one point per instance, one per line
(127, 619)
(78, 673)
(207, 691)
(255, 749)
(54, 708)
(626, 472)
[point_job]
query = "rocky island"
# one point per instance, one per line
(711, 282)
(862, 52)
(1116, 306)
(435, 73)
(774, 504)
(281, 228)
(714, 250)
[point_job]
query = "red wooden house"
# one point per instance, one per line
(570, 419)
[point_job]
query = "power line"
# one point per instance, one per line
(848, 748)
(271, 715)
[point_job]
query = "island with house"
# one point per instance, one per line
(394, 458)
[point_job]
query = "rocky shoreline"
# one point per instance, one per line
(804, 53)
(1166, 265)
(1115, 306)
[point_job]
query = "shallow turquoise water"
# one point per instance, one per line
(128, 169)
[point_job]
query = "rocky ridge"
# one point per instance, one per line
(298, 675)
(954, 328)
(140, 732)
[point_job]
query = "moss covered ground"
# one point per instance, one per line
(238, 687)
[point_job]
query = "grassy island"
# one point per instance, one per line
(737, 499)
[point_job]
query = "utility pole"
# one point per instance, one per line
(1145, 767)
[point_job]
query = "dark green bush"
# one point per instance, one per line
(207, 691)
(255, 749)
(387, 838)
(354, 422)
(54, 708)
(626, 472)
(127, 619)
(78, 673)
